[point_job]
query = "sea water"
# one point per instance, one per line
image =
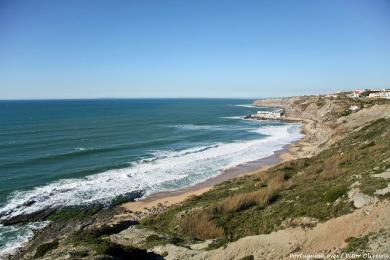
(58, 153)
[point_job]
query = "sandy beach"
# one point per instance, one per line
(298, 149)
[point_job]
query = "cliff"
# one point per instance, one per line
(330, 196)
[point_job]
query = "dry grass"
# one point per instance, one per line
(276, 183)
(332, 169)
(358, 153)
(261, 198)
(239, 202)
(199, 225)
(264, 176)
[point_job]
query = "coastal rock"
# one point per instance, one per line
(173, 252)
(202, 245)
(359, 199)
(326, 237)
(383, 191)
(299, 234)
(9, 219)
(132, 236)
(384, 175)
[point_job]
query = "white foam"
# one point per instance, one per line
(168, 171)
(233, 117)
(245, 105)
(277, 131)
(14, 237)
(193, 127)
(164, 154)
(199, 127)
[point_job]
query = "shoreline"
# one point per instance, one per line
(166, 199)
(160, 201)
(288, 228)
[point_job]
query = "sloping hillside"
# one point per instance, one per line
(302, 192)
(333, 197)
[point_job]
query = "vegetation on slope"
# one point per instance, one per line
(314, 187)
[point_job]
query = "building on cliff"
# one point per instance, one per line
(268, 115)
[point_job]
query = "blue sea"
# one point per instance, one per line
(57, 153)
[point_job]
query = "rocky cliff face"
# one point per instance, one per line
(329, 118)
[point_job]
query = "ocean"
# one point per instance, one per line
(58, 153)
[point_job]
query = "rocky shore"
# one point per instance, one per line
(309, 205)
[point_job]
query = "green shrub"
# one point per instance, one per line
(356, 244)
(333, 194)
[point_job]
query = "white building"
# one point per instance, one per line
(385, 94)
(380, 94)
(374, 95)
(268, 115)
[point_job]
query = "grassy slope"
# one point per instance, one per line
(315, 187)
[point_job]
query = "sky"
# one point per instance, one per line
(151, 48)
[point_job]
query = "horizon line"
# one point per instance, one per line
(96, 98)
(127, 98)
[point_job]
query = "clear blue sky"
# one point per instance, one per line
(87, 49)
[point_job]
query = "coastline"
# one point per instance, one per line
(325, 141)
(162, 200)
(158, 202)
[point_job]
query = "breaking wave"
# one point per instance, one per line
(245, 105)
(13, 237)
(166, 170)
(192, 127)
(233, 117)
